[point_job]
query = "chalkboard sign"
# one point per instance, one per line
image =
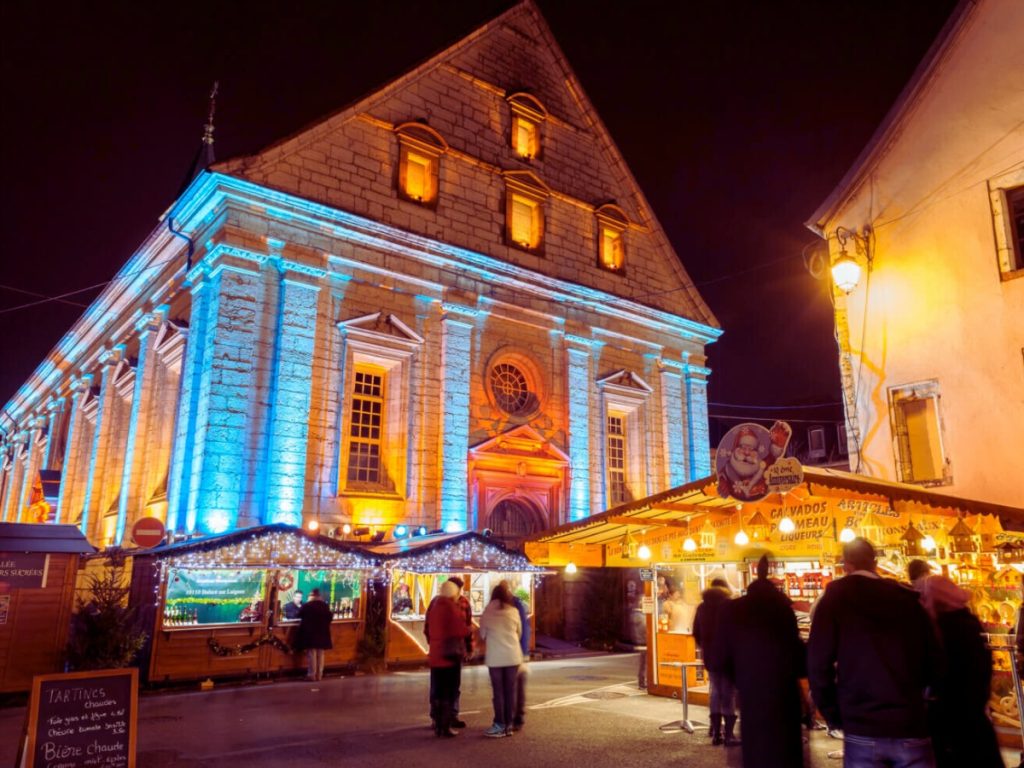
(83, 719)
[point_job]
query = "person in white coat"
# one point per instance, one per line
(501, 629)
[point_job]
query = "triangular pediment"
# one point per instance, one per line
(627, 380)
(464, 96)
(381, 324)
(522, 441)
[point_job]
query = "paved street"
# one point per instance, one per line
(584, 711)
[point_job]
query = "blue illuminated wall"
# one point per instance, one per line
(699, 442)
(455, 359)
(579, 387)
(676, 443)
(285, 463)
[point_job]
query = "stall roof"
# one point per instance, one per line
(43, 537)
(210, 543)
(700, 497)
(447, 551)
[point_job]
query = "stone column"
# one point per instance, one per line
(676, 460)
(15, 475)
(6, 480)
(34, 455)
(132, 500)
(73, 451)
(92, 505)
(579, 386)
(53, 411)
(697, 411)
(209, 469)
(284, 464)
(456, 341)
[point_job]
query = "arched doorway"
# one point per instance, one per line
(514, 518)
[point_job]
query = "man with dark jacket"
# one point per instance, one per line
(763, 656)
(872, 654)
(314, 635)
(705, 633)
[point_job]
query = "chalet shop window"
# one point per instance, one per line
(816, 443)
(1006, 196)
(918, 438)
(366, 428)
(419, 161)
(615, 459)
(527, 114)
(611, 238)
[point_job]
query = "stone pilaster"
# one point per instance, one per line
(73, 451)
(209, 469)
(579, 387)
(34, 450)
(132, 500)
(291, 380)
(697, 421)
(675, 459)
(6, 480)
(92, 505)
(456, 354)
(54, 411)
(17, 477)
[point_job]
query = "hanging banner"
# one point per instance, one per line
(214, 596)
(745, 455)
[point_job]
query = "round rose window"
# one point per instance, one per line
(511, 389)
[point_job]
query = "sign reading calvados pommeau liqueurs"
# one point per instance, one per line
(83, 719)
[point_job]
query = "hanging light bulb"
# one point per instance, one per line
(741, 539)
(927, 543)
(570, 567)
(346, 529)
(313, 525)
(644, 553)
(847, 535)
(786, 524)
(690, 545)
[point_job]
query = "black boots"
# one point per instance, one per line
(730, 736)
(716, 730)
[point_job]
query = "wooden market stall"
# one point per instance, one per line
(219, 606)
(417, 567)
(38, 563)
(687, 535)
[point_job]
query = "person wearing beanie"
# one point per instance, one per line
(871, 657)
(722, 698)
(761, 653)
(962, 733)
(446, 630)
(467, 613)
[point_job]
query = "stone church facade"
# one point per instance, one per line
(447, 305)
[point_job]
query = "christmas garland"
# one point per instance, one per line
(238, 650)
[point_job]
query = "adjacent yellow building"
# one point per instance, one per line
(931, 331)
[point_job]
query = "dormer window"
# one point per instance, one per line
(419, 160)
(524, 214)
(527, 115)
(611, 238)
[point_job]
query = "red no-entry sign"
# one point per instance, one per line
(147, 532)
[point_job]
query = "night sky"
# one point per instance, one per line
(736, 118)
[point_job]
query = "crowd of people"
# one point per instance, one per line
(901, 671)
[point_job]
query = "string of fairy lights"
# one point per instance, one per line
(292, 549)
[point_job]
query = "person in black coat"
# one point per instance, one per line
(763, 655)
(962, 734)
(722, 693)
(314, 633)
(871, 656)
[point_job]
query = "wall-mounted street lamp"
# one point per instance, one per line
(846, 269)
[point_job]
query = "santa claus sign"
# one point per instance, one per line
(749, 459)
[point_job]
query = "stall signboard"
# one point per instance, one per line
(646, 574)
(339, 589)
(214, 596)
(82, 719)
(23, 570)
(745, 457)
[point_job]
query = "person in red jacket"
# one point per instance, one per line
(447, 630)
